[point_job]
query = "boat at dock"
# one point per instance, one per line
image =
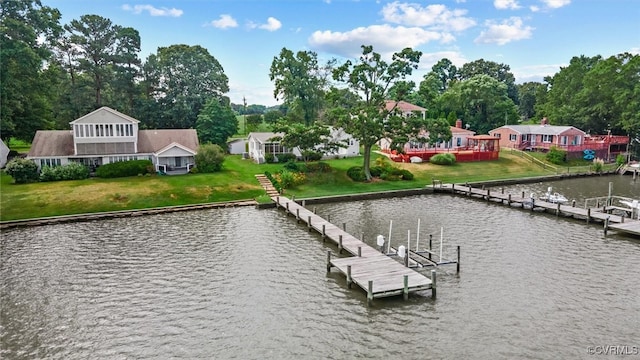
(554, 197)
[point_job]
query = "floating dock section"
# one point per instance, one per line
(376, 273)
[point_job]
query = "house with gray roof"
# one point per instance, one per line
(105, 136)
(539, 137)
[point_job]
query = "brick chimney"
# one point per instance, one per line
(544, 121)
(459, 124)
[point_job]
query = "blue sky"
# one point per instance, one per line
(534, 37)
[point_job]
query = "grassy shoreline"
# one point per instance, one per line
(236, 182)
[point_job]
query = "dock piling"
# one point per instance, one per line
(340, 243)
(558, 210)
(309, 223)
(359, 251)
(324, 233)
(370, 292)
(606, 225)
(430, 243)
(405, 290)
(433, 283)
(349, 276)
(458, 261)
(328, 260)
(298, 215)
(344, 226)
(588, 215)
(573, 203)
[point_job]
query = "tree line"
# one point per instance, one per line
(52, 73)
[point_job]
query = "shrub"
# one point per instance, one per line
(291, 166)
(314, 156)
(320, 167)
(274, 181)
(269, 158)
(620, 159)
(22, 170)
(124, 168)
(283, 158)
(209, 158)
(376, 171)
(289, 179)
(556, 156)
(406, 175)
(598, 164)
(71, 171)
(356, 173)
(443, 159)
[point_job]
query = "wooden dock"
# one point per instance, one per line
(376, 273)
(603, 214)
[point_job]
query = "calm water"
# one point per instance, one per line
(251, 284)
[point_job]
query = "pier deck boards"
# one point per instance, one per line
(386, 274)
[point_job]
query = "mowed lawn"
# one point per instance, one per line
(236, 182)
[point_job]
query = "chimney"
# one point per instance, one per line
(459, 124)
(544, 121)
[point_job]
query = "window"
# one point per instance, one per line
(458, 142)
(49, 162)
(564, 140)
(576, 140)
(513, 137)
(547, 138)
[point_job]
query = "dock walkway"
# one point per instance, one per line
(376, 273)
(596, 214)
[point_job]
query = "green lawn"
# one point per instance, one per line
(236, 182)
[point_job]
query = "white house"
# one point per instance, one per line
(262, 143)
(105, 136)
(4, 153)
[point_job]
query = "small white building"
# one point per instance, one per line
(262, 143)
(4, 154)
(237, 146)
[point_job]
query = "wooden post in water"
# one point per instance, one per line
(349, 276)
(573, 203)
(329, 218)
(533, 204)
(370, 292)
(405, 289)
(298, 215)
(509, 200)
(433, 283)
(488, 194)
(309, 223)
(523, 194)
(453, 188)
(277, 202)
(588, 215)
(324, 233)
(558, 209)
(314, 209)
(622, 217)
(304, 203)
(458, 261)
(430, 242)
(340, 243)
(287, 208)
(359, 251)
(362, 237)
(328, 260)
(606, 225)
(344, 226)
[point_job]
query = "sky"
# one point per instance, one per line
(535, 38)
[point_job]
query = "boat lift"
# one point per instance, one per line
(417, 258)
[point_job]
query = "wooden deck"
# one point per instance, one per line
(376, 273)
(596, 214)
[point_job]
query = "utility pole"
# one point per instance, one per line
(244, 116)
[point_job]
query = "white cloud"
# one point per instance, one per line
(534, 8)
(272, 24)
(634, 51)
(436, 17)
(225, 21)
(555, 4)
(385, 39)
(506, 4)
(153, 11)
(509, 30)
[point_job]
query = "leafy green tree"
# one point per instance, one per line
(308, 139)
(300, 81)
(22, 170)
(271, 117)
(500, 72)
(127, 66)
(445, 73)
(528, 94)
(216, 123)
(24, 90)
(253, 121)
(368, 120)
(483, 101)
(95, 39)
(182, 78)
(209, 158)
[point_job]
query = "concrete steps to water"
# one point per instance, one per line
(267, 185)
